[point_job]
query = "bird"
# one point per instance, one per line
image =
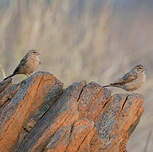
(132, 80)
(28, 64)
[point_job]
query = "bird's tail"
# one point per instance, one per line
(107, 86)
(9, 76)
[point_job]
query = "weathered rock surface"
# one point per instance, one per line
(38, 115)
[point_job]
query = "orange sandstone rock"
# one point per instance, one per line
(27, 100)
(37, 115)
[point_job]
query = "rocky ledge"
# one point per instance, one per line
(39, 115)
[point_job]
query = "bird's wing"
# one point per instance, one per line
(24, 60)
(21, 64)
(126, 79)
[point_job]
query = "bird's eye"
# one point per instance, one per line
(140, 68)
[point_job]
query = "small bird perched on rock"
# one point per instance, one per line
(28, 64)
(132, 80)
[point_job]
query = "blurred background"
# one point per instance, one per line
(95, 40)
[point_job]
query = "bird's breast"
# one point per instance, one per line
(135, 84)
(32, 64)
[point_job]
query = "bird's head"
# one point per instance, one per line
(139, 68)
(34, 52)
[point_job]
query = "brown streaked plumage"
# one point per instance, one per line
(131, 81)
(28, 64)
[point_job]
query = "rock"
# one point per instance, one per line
(5, 84)
(63, 113)
(38, 115)
(113, 128)
(92, 101)
(39, 90)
